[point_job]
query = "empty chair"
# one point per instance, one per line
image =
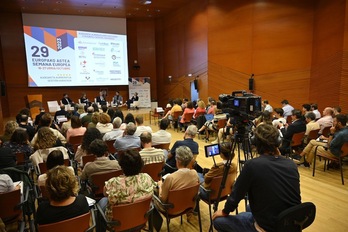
(75, 141)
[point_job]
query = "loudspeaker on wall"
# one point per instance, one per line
(251, 84)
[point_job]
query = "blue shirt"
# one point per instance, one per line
(338, 140)
(186, 142)
(126, 142)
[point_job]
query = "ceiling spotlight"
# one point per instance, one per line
(145, 2)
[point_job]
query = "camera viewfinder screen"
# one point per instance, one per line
(212, 150)
(236, 102)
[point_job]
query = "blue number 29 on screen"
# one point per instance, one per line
(37, 50)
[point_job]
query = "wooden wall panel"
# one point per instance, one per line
(182, 49)
(271, 39)
(328, 40)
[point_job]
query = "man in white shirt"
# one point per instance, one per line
(287, 108)
(162, 136)
(116, 132)
(140, 126)
(315, 110)
(267, 106)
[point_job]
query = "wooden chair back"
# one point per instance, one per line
(164, 146)
(215, 186)
(176, 115)
(132, 215)
(43, 167)
(76, 224)
(326, 131)
(75, 141)
(221, 123)
(154, 170)
(297, 139)
(9, 202)
(98, 181)
(87, 159)
(289, 119)
(313, 134)
(21, 159)
(183, 200)
(111, 148)
(188, 117)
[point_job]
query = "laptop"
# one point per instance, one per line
(209, 117)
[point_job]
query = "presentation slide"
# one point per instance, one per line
(61, 57)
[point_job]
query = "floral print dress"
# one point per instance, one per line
(127, 189)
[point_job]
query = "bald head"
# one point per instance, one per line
(90, 109)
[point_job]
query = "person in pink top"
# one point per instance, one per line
(188, 110)
(76, 128)
(200, 110)
(212, 108)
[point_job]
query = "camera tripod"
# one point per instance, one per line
(240, 140)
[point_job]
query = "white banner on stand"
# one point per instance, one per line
(141, 85)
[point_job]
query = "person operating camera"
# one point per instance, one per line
(271, 181)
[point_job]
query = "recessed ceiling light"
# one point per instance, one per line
(145, 2)
(59, 2)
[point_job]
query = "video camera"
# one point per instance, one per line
(246, 103)
(242, 108)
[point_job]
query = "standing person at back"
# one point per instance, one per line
(270, 188)
(287, 108)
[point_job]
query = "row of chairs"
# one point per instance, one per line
(297, 143)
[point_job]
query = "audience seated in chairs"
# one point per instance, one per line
(188, 141)
(311, 125)
(130, 187)
(116, 132)
(150, 154)
(54, 159)
(338, 135)
(19, 143)
(182, 178)
(326, 120)
(10, 127)
(211, 125)
(278, 118)
(64, 203)
(104, 124)
(288, 131)
(162, 136)
(129, 140)
(90, 135)
(267, 185)
(46, 121)
(102, 163)
(76, 128)
(189, 110)
(139, 119)
(86, 119)
(94, 120)
(200, 110)
(223, 132)
(45, 143)
(218, 169)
